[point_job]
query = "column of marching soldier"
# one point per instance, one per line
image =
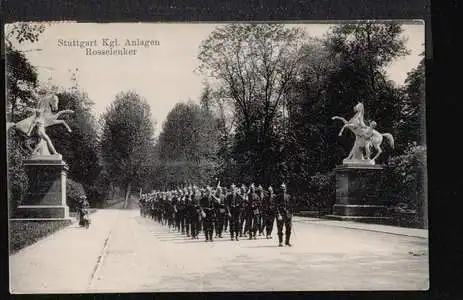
(245, 211)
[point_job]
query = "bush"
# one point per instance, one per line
(73, 192)
(322, 192)
(25, 233)
(17, 177)
(404, 187)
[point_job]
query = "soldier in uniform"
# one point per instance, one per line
(169, 210)
(243, 206)
(219, 212)
(284, 213)
(175, 208)
(194, 216)
(187, 211)
(197, 207)
(208, 214)
(269, 212)
(141, 204)
(252, 212)
(152, 207)
(234, 212)
(183, 210)
(226, 218)
(261, 198)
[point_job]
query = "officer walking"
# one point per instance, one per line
(284, 213)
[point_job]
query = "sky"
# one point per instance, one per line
(163, 74)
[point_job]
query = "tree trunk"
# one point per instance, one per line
(127, 194)
(112, 191)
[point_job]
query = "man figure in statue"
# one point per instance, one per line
(284, 215)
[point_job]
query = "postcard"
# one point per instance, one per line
(216, 157)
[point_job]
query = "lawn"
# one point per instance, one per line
(23, 233)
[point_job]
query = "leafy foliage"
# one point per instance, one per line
(127, 140)
(19, 71)
(407, 174)
(254, 65)
(24, 31)
(188, 144)
(411, 123)
(74, 191)
(17, 177)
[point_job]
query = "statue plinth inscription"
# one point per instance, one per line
(46, 197)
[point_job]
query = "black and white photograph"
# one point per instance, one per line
(216, 157)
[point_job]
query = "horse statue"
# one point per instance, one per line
(43, 116)
(366, 137)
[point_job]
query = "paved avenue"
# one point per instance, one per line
(123, 252)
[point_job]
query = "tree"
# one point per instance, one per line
(127, 138)
(19, 72)
(188, 143)
(306, 146)
(254, 65)
(412, 122)
(24, 32)
(18, 69)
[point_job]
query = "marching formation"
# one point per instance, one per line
(245, 211)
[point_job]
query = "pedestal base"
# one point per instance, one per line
(358, 194)
(367, 210)
(362, 219)
(42, 212)
(46, 197)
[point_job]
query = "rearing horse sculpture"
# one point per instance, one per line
(43, 117)
(365, 136)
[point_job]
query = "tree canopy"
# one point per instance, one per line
(127, 139)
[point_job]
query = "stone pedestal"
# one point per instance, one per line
(358, 194)
(46, 197)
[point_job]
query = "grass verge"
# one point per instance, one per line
(23, 233)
